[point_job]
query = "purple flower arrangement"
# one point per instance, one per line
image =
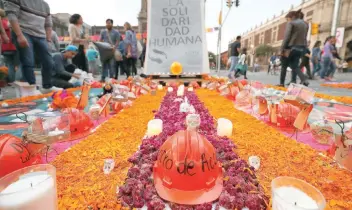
(241, 187)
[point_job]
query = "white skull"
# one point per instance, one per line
(254, 161)
(109, 165)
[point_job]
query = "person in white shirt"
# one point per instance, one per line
(242, 64)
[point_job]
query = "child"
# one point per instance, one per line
(92, 57)
(242, 64)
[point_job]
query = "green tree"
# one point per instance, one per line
(264, 50)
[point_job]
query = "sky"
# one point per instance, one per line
(239, 20)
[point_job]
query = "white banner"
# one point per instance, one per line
(340, 33)
(176, 33)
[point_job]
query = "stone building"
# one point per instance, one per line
(142, 17)
(64, 18)
(319, 12)
(60, 27)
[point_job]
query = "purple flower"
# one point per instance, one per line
(139, 188)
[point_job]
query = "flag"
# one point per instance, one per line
(220, 18)
(209, 30)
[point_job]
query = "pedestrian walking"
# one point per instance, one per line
(75, 29)
(130, 49)
(272, 61)
(142, 58)
(294, 45)
(242, 66)
(305, 63)
(336, 57)
(111, 36)
(120, 65)
(10, 53)
(235, 52)
(316, 57)
(32, 25)
(328, 64)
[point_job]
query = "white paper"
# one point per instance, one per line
(176, 33)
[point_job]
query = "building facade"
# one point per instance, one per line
(143, 17)
(64, 19)
(60, 27)
(316, 12)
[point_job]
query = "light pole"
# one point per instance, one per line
(219, 38)
(335, 17)
(221, 24)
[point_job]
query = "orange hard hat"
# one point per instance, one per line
(187, 171)
(14, 154)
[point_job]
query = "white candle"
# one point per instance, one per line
(160, 87)
(56, 132)
(291, 198)
(289, 193)
(33, 191)
(224, 127)
(180, 93)
(155, 127)
(170, 89)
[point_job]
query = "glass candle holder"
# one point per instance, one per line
(29, 188)
(299, 93)
(289, 193)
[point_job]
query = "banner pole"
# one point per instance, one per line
(219, 39)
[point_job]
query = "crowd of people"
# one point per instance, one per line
(294, 54)
(27, 35)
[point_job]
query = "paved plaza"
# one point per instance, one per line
(9, 92)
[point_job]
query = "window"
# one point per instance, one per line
(256, 40)
(267, 36)
(281, 33)
(310, 13)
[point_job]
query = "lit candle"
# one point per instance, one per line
(155, 127)
(180, 93)
(294, 194)
(224, 127)
(170, 89)
(190, 89)
(94, 111)
(56, 132)
(160, 87)
(31, 191)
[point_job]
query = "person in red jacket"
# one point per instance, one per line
(10, 53)
(4, 37)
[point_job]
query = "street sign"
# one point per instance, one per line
(340, 33)
(314, 28)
